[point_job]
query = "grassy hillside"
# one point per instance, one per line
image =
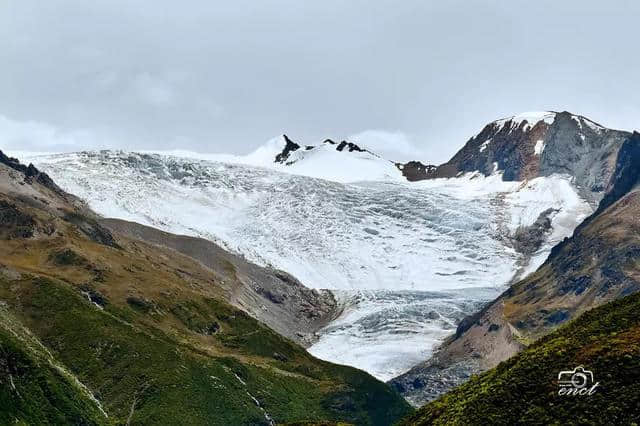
(524, 389)
(151, 335)
(34, 387)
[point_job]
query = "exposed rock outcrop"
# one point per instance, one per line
(415, 170)
(285, 155)
(37, 189)
(289, 147)
(31, 174)
(527, 240)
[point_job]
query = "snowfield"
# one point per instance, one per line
(407, 259)
(325, 162)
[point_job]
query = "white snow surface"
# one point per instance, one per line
(388, 332)
(403, 256)
(323, 162)
(532, 118)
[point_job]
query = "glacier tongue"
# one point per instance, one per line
(397, 250)
(387, 332)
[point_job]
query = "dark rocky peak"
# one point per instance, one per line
(350, 147)
(531, 145)
(512, 145)
(289, 147)
(14, 163)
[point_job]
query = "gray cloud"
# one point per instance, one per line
(226, 76)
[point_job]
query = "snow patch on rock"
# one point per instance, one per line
(583, 121)
(484, 145)
(531, 119)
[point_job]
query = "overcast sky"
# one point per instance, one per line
(409, 77)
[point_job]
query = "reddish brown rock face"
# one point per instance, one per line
(508, 145)
(523, 148)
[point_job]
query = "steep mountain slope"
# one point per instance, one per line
(149, 331)
(525, 389)
(34, 387)
(536, 144)
(599, 263)
(273, 297)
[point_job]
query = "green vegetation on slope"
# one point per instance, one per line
(34, 388)
(149, 333)
(173, 383)
(524, 389)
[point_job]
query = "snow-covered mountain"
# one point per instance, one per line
(401, 255)
(537, 144)
(339, 162)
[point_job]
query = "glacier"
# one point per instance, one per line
(406, 260)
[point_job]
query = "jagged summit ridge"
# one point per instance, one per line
(343, 161)
(530, 145)
(528, 120)
(290, 147)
